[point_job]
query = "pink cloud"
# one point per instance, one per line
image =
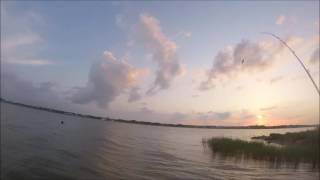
(163, 50)
(108, 78)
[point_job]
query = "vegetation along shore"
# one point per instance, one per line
(292, 147)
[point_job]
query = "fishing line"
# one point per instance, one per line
(301, 63)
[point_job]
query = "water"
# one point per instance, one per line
(34, 145)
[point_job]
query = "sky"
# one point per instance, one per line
(193, 62)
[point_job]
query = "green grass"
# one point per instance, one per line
(298, 147)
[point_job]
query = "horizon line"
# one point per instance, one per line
(157, 123)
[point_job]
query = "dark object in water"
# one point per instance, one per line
(242, 61)
(61, 122)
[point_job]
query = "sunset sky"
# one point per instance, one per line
(168, 62)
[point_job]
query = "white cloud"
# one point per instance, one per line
(14, 41)
(19, 40)
(256, 57)
(108, 78)
(280, 19)
(164, 53)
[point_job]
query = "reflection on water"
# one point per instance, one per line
(34, 144)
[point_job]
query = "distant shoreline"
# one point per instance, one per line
(152, 123)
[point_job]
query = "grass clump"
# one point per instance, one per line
(297, 147)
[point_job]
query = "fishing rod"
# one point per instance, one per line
(301, 63)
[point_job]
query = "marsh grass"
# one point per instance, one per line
(297, 147)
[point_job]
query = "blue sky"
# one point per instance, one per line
(65, 42)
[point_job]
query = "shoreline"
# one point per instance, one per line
(152, 123)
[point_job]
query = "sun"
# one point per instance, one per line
(260, 119)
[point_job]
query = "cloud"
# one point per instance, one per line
(242, 117)
(134, 95)
(256, 57)
(20, 42)
(245, 115)
(268, 108)
(108, 78)
(146, 110)
(14, 41)
(314, 59)
(146, 113)
(18, 89)
(35, 62)
(214, 116)
(280, 19)
(276, 79)
(44, 94)
(164, 53)
(222, 115)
